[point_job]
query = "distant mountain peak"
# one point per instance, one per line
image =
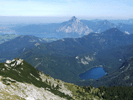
(114, 32)
(115, 29)
(74, 26)
(73, 18)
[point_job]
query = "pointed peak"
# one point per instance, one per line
(73, 18)
(112, 29)
(105, 21)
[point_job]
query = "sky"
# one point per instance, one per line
(91, 9)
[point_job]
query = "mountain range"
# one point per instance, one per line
(72, 28)
(91, 43)
(129, 21)
(99, 26)
(97, 43)
(70, 57)
(42, 67)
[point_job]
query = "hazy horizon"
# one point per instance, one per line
(56, 11)
(43, 19)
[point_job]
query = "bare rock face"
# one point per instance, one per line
(75, 26)
(24, 91)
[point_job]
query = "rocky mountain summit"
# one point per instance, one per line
(20, 81)
(74, 26)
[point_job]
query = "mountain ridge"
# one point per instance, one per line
(77, 29)
(95, 41)
(71, 28)
(11, 49)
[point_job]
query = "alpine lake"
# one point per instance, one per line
(93, 73)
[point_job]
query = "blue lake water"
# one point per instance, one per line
(93, 73)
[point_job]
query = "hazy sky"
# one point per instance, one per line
(109, 9)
